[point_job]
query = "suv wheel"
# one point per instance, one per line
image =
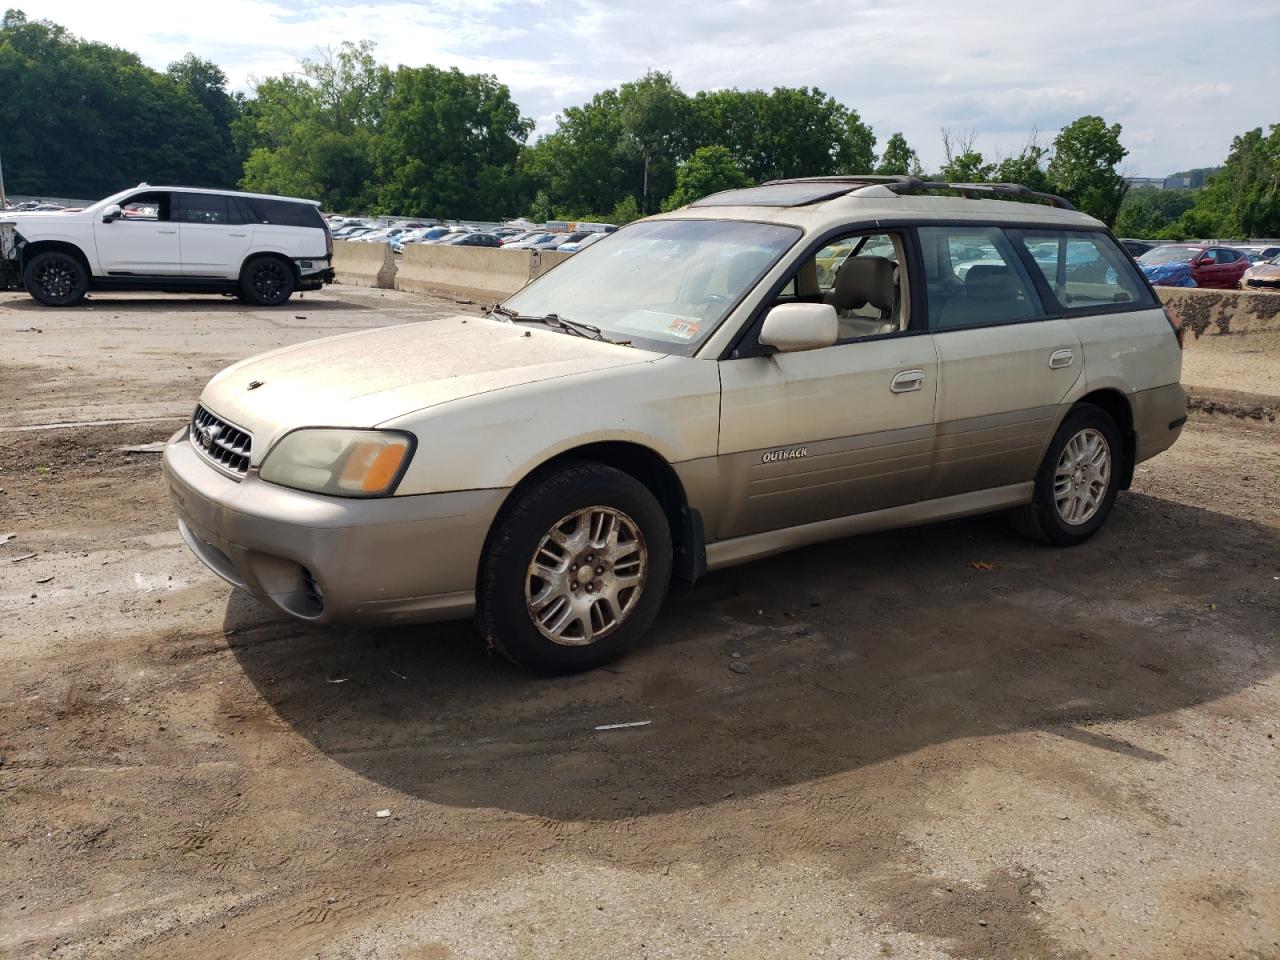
(267, 282)
(56, 279)
(575, 570)
(1078, 480)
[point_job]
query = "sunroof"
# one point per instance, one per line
(777, 195)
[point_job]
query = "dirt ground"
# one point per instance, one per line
(950, 743)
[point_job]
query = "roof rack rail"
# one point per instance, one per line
(905, 184)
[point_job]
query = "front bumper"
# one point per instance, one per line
(329, 559)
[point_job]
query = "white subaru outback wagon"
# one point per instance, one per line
(177, 239)
(766, 368)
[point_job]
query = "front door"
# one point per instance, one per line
(840, 430)
(143, 240)
(214, 240)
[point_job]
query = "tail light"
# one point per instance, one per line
(328, 242)
(1175, 323)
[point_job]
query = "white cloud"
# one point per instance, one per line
(1001, 67)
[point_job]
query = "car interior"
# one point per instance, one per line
(860, 276)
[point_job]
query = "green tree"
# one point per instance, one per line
(898, 158)
(790, 132)
(1083, 168)
(311, 134)
(447, 145)
(709, 170)
(1028, 167)
(968, 167)
(581, 164)
(206, 82)
(1148, 212)
(82, 119)
(1243, 198)
(652, 112)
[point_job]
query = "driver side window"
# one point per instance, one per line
(146, 207)
(861, 275)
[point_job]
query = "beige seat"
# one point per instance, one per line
(865, 296)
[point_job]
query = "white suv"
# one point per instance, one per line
(178, 239)
(763, 369)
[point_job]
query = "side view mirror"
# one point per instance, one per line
(111, 213)
(791, 327)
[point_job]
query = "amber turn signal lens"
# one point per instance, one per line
(371, 467)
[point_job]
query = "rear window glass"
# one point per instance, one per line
(1083, 270)
(283, 213)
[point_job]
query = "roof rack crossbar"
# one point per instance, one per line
(906, 184)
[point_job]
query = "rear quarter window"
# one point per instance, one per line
(282, 213)
(1083, 270)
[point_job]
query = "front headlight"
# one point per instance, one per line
(344, 463)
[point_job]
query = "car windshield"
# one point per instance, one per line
(1168, 254)
(661, 284)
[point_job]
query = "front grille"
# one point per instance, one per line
(221, 443)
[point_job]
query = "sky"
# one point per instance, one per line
(1181, 76)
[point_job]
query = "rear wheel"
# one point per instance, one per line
(575, 571)
(267, 282)
(1078, 480)
(56, 279)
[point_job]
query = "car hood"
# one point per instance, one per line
(1166, 272)
(366, 378)
(1263, 271)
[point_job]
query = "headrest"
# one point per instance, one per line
(863, 280)
(990, 280)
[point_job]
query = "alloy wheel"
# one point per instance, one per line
(1082, 476)
(586, 576)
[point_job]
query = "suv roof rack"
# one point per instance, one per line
(905, 184)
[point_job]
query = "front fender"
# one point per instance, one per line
(495, 440)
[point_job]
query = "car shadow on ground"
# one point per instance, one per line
(855, 652)
(198, 303)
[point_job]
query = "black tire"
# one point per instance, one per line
(1042, 519)
(267, 281)
(504, 616)
(56, 279)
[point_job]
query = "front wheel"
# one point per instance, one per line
(267, 282)
(575, 571)
(1078, 480)
(56, 279)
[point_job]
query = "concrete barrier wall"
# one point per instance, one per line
(364, 264)
(1231, 311)
(478, 273)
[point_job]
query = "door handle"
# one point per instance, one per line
(237, 234)
(1061, 358)
(907, 380)
(174, 230)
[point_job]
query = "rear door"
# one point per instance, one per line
(213, 236)
(143, 240)
(1004, 365)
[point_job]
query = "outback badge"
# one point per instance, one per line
(790, 453)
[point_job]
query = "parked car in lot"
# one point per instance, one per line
(470, 240)
(683, 398)
(539, 239)
(1136, 248)
(178, 239)
(1263, 276)
(1191, 265)
(574, 246)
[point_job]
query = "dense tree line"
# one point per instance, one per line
(83, 119)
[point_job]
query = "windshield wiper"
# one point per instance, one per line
(554, 320)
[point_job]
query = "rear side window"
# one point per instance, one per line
(202, 208)
(282, 213)
(1083, 270)
(974, 278)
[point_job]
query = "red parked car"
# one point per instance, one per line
(1218, 267)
